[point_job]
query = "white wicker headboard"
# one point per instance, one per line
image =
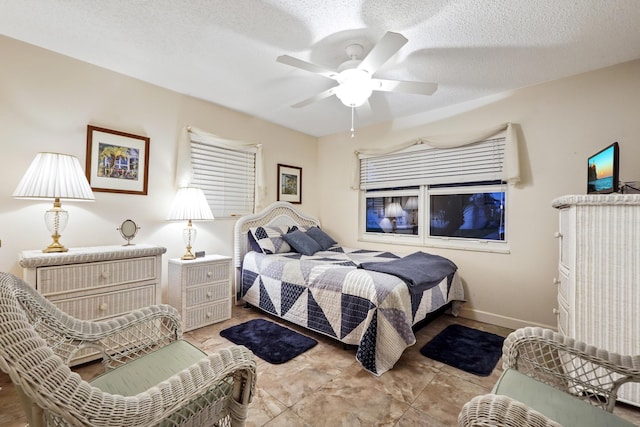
(278, 213)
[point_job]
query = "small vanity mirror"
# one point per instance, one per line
(128, 230)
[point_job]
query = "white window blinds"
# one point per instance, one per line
(226, 176)
(422, 165)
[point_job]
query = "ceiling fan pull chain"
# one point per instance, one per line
(353, 132)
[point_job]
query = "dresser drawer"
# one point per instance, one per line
(108, 304)
(207, 293)
(207, 314)
(200, 274)
(80, 277)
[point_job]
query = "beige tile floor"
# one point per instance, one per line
(327, 387)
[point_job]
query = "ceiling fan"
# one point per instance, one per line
(355, 76)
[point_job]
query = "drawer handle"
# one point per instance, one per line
(209, 273)
(209, 295)
(556, 311)
(105, 274)
(103, 306)
(209, 314)
(557, 234)
(556, 280)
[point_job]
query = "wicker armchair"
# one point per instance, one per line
(37, 341)
(567, 372)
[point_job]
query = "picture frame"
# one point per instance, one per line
(117, 162)
(289, 183)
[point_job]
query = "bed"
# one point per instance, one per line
(335, 291)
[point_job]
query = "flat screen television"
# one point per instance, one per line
(603, 174)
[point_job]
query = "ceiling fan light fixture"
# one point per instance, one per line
(355, 87)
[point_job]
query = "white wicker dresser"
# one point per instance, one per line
(599, 274)
(96, 283)
(200, 290)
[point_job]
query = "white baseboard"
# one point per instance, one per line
(496, 319)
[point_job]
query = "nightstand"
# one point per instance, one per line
(200, 290)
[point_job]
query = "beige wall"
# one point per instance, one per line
(46, 102)
(560, 123)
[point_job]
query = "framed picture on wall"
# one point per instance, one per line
(289, 183)
(117, 162)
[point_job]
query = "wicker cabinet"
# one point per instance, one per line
(599, 273)
(96, 283)
(201, 290)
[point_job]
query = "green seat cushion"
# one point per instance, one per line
(555, 404)
(149, 370)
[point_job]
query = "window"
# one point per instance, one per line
(475, 213)
(436, 197)
(227, 176)
(394, 211)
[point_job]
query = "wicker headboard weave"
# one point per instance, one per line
(278, 213)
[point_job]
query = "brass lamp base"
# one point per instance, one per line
(55, 246)
(189, 255)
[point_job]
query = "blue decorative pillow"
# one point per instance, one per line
(324, 240)
(270, 239)
(301, 242)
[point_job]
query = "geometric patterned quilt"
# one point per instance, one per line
(327, 293)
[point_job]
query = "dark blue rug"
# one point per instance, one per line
(465, 348)
(269, 341)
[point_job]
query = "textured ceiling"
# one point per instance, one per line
(225, 51)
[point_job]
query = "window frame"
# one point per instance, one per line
(469, 243)
(423, 238)
(408, 239)
(468, 167)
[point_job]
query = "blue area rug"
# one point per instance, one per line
(465, 348)
(269, 341)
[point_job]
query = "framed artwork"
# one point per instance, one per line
(289, 183)
(117, 162)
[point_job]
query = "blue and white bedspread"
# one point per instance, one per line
(327, 293)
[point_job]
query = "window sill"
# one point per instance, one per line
(442, 243)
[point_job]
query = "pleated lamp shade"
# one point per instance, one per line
(59, 177)
(411, 203)
(54, 175)
(190, 204)
(393, 210)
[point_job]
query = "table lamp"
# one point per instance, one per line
(412, 205)
(393, 210)
(59, 177)
(190, 204)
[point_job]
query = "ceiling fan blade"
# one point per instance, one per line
(388, 45)
(420, 88)
(322, 95)
(308, 66)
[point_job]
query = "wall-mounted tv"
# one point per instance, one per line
(603, 174)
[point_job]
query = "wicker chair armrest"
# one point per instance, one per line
(497, 410)
(570, 365)
(156, 404)
(119, 339)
